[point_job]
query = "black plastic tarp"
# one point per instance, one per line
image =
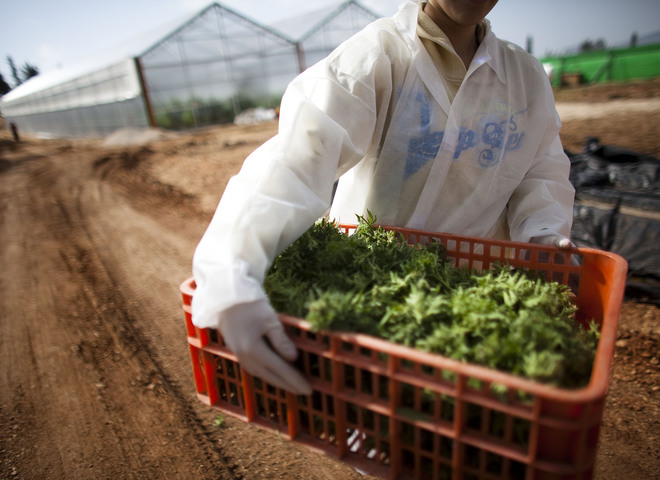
(617, 209)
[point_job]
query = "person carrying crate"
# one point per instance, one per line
(428, 121)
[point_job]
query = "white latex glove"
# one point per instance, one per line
(558, 241)
(554, 241)
(243, 329)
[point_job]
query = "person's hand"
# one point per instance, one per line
(243, 329)
(558, 241)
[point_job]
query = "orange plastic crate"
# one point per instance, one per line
(398, 413)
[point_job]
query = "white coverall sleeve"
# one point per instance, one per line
(542, 204)
(326, 126)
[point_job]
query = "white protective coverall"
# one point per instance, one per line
(375, 115)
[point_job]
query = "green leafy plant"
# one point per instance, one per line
(219, 420)
(374, 282)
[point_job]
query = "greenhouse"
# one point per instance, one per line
(204, 70)
(601, 66)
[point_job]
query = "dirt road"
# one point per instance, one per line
(96, 379)
(90, 319)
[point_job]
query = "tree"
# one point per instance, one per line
(26, 72)
(592, 46)
(4, 86)
(14, 71)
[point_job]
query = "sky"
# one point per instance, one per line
(52, 34)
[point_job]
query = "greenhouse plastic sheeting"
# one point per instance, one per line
(203, 70)
(600, 66)
(64, 104)
(617, 208)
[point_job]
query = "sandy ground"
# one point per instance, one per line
(570, 112)
(96, 380)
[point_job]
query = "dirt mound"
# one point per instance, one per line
(135, 136)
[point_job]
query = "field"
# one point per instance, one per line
(96, 237)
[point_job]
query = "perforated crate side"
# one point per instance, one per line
(398, 413)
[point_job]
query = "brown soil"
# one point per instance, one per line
(96, 379)
(630, 127)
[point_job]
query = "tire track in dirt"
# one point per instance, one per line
(99, 381)
(33, 339)
(121, 327)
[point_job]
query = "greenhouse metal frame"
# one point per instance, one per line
(204, 71)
